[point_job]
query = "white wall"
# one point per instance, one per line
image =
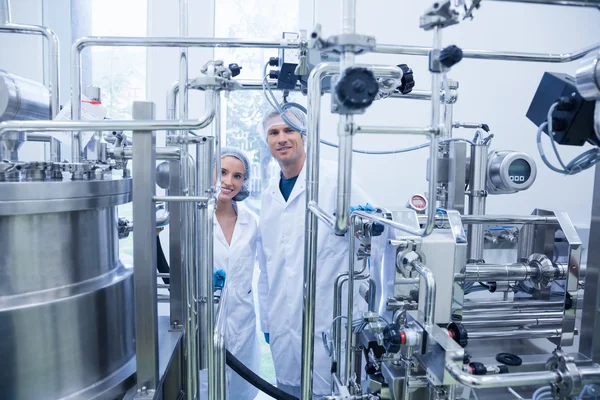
(496, 93)
(163, 63)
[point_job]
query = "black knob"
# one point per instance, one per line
(235, 69)
(458, 332)
(450, 56)
(502, 369)
(357, 88)
(377, 229)
(274, 61)
(274, 74)
(408, 80)
(393, 338)
(477, 368)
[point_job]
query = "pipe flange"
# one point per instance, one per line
(545, 271)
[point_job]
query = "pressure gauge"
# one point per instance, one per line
(509, 172)
(418, 203)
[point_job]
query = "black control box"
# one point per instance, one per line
(573, 120)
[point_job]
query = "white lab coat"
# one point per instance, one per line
(280, 285)
(237, 260)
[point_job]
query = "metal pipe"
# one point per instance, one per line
(203, 228)
(485, 305)
(311, 221)
(38, 137)
(499, 272)
(492, 55)
(477, 199)
(220, 346)
(428, 305)
(344, 189)
(536, 333)
(53, 62)
(131, 125)
(162, 153)
(574, 3)
(540, 378)
(498, 219)
(5, 12)
(400, 130)
(511, 323)
(337, 312)
(474, 315)
(321, 214)
(182, 199)
(163, 298)
(163, 275)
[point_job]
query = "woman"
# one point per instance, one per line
(236, 233)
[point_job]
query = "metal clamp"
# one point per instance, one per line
(343, 42)
(441, 14)
(571, 382)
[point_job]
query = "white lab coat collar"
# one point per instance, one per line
(298, 189)
(242, 219)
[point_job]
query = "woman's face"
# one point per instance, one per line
(232, 177)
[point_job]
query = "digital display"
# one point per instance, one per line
(519, 171)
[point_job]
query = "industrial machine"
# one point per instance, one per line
(461, 304)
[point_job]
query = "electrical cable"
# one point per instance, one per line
(580, 163)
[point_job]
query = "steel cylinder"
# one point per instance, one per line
(66, 315)
(22, 99)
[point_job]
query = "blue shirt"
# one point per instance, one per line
(286, 186)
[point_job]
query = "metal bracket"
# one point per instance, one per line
(343, 42)
(441, 15)
(144, 394)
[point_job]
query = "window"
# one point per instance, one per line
(119, 71)
(243, 109)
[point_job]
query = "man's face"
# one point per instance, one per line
(285, 144)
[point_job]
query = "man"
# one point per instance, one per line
(281, 256)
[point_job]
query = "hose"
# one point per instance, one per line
(249, 376)
(233, 363)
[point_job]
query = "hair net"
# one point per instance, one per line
(273, 117)
(240, 155)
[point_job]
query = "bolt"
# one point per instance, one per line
(358, 86)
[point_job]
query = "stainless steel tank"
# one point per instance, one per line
(22, 99)
(66, 300)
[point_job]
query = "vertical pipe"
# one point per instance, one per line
(526, 242)
(4, 12)
(204, 157)
(433, 146)
(144, 249)
(345, 128)
(344, 173)
(311, 224)
(352, 245)
(76, 102)
(216, 129)
(477, 197)
(191, 288)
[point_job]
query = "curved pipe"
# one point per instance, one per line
(132, 125)
(53, 62)
(429, 303)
